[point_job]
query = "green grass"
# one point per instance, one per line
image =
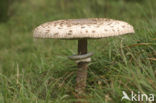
(38, 71)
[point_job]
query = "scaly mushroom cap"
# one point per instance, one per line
(82, 28)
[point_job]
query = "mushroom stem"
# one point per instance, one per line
(82, 70)
(82, 46)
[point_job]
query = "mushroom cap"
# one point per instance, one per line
(82, 28)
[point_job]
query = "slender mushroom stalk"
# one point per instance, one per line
(82, 29)
(82, 60)
(82, 68)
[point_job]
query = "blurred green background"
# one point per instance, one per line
(38, 71)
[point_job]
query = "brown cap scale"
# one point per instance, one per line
(82, 29)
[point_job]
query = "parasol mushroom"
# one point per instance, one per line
(82, 29)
